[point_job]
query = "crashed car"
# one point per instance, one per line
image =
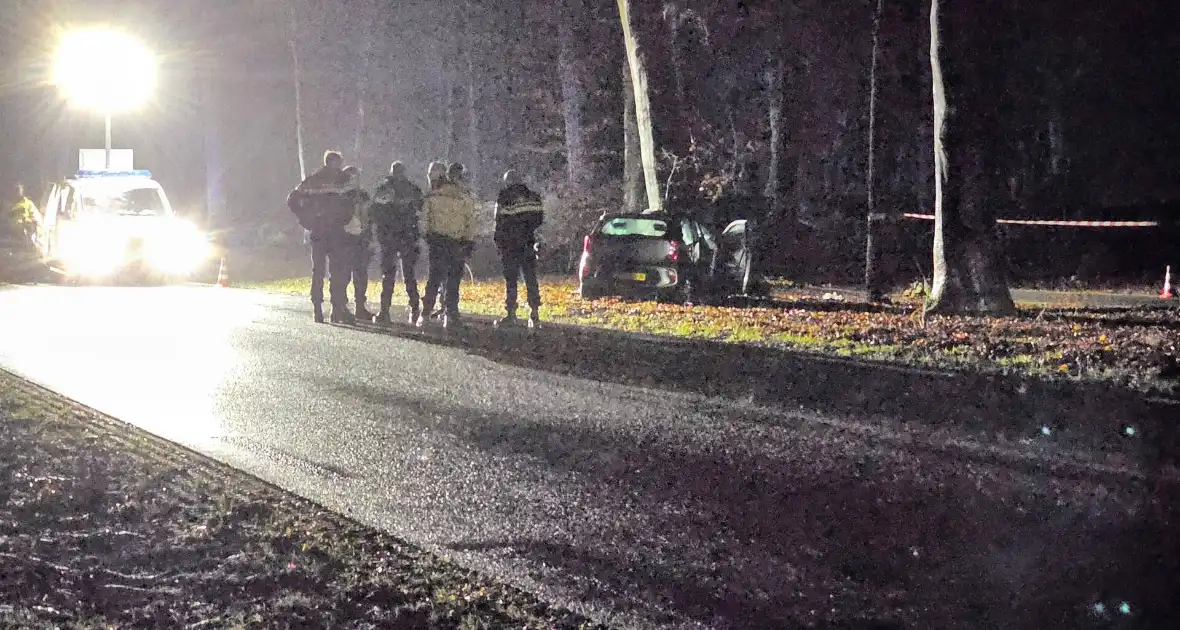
(662, 255)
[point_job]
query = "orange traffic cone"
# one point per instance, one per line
(223, 274)
(1167, 292)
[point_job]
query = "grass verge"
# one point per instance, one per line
(106, 526)
(1137, 348)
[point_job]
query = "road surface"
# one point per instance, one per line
(641, 508)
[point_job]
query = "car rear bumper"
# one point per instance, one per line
(639, 282)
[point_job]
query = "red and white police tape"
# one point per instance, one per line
(930, 217)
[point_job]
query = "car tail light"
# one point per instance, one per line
(584, 264)
(673, 250)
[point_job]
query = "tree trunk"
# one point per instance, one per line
(573, 96)
(214, 169)
(361, 86)
(637, 61)
(633, 189)
(473, 165)
(297, 79)
(969, 275)
(873, 280)
(773, 186)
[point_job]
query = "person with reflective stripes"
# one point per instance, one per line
(397, 204)
(519, 214)
(323, 207)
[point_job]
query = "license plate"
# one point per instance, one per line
(639, 277)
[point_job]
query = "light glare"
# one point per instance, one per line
(104, 70)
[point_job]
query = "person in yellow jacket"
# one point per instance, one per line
(448, 223)
(24, 216)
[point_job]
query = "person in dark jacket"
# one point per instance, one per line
(448, 218)
(396, 210)
(323, 206)
(518, 215)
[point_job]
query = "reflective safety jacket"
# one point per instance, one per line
(24, 217)
(449, 211)
(324, 201)
(518, 215)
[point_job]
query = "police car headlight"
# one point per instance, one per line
(179, 248)
(89, 249)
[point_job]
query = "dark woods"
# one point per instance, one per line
(760, 109)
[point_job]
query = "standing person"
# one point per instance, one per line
(448, 215)
(436, 176)
(360, 241)
(518, 215)
(23, 216)
(397, 206)
(322, 205)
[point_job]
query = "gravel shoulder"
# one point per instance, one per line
(104, 525)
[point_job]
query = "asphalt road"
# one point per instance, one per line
(640, 507)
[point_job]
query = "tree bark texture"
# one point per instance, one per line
(633, 185)
(969, 270)
(872, 241)
(636, 60)
(573, 95)
(297, 79)
(474, 166)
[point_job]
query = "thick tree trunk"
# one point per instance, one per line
(969, 274)
(633, 190)
(573, 95)
(297, 79)
(636, 59)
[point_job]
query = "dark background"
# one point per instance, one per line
(1091, 129)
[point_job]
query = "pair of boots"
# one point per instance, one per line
(385, 318)
(511, 320)
(342, 315)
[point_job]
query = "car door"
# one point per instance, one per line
(734, 256)
(47, 231)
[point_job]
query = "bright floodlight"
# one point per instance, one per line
(104, 70)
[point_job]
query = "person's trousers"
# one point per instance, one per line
(403, 250)
(362, 247)
(446, 257)
(330, 254)
(519, 259)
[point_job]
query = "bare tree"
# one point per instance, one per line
(473, 140)
(633, 188)
(636, 59)
(772, 188)
(872, 244)
(969, 275)
(297, 79)
(573, 93)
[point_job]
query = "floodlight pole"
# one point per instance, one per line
(108, 141)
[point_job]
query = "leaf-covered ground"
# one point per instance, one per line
(1134, 347)
(104, 527)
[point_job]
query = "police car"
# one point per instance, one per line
(117, 225)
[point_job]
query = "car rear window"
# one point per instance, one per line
(632, 226)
